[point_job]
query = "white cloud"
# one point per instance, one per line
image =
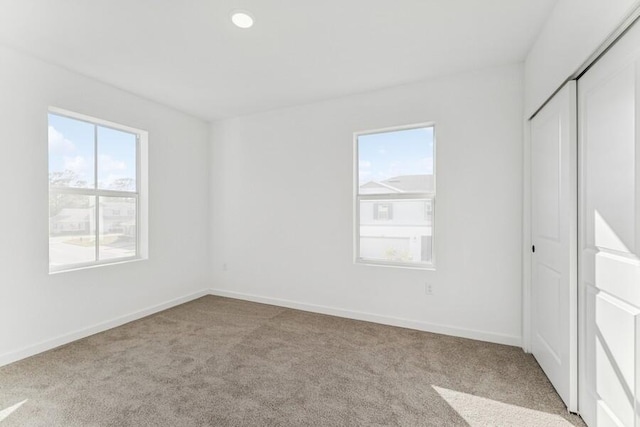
(364, 173)
(108, 164)
(395, 169)
(58, 144)
(77, 164)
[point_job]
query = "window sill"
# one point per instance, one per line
(80, 267)
(406, 266)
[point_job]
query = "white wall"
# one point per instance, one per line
(36, 309)
(575, 29)
(282, 216)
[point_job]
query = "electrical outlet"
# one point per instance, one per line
(428, 288)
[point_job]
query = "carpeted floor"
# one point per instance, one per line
(224, 362)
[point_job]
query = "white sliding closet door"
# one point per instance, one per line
(609, 146)
(554, 202)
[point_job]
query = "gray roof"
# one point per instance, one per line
(400, 184)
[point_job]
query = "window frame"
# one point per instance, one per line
(140, 193)
(357, 198)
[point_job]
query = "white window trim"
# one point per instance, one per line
(381, 197)
(141, 194)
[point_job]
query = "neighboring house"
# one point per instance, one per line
(115, 218)
(118, 218)
(397, 229)
(73, 221)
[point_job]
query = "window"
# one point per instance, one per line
(94, 179)
(382, 211)
(395, 196)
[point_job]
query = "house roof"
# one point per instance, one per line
(400, 184)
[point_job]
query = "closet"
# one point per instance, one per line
(605, 304)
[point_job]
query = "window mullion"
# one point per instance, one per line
(115, 193)
(72, 191)
(95, 186)
(91, 192)
(398, 196)
(138, 180)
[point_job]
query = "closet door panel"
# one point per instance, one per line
(609, 275)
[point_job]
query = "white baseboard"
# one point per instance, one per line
(376, 318)
(32, 350)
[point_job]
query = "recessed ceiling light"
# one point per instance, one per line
(241, 19)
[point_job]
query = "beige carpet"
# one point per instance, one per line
(223, 362)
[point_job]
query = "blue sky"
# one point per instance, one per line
(71, 147)
(385, 155)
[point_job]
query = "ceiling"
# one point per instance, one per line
(187, 54)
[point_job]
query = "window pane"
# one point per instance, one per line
(400, 232)
(117, 227)
(72, 229)
(71, 152)
(396, 162)
(116, 160)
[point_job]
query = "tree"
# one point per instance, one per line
(123, 184)
(59, 201)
